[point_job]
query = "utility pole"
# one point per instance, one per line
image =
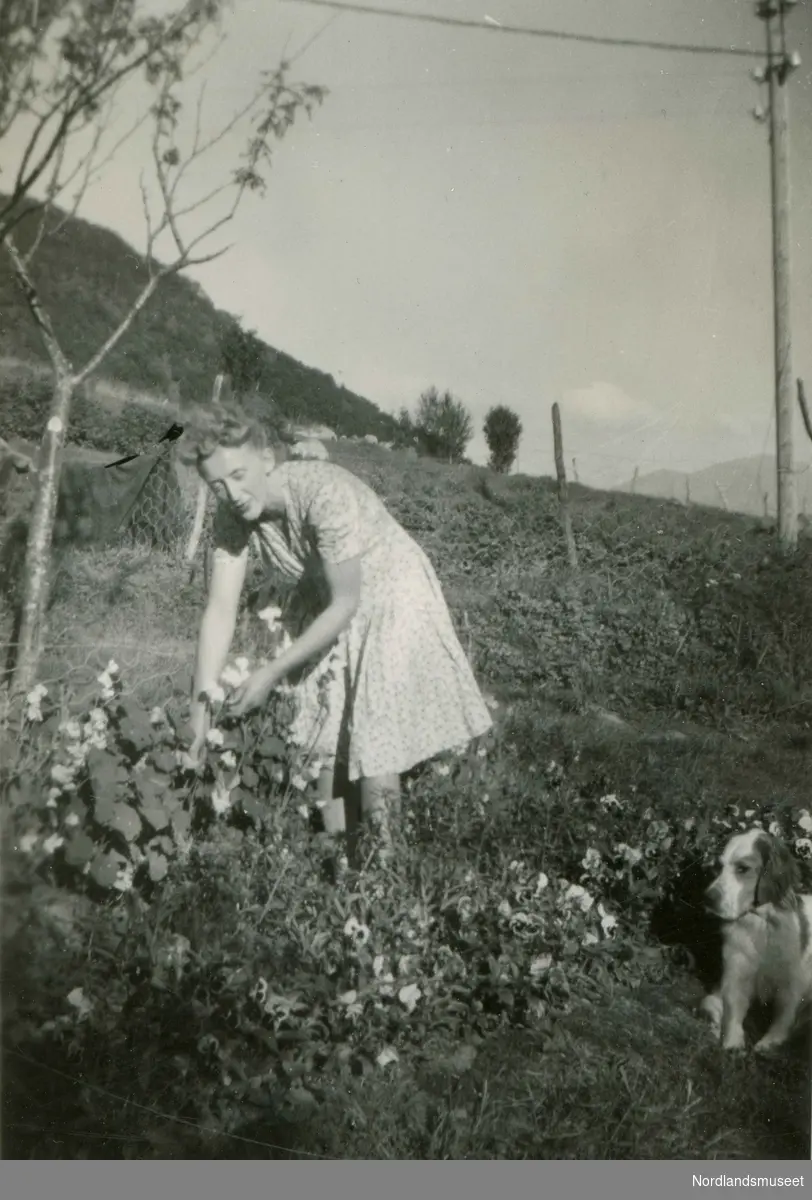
(780, 65)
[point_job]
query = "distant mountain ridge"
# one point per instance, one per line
(744, 485)
(88, 277)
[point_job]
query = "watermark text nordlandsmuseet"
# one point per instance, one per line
(754, 1181)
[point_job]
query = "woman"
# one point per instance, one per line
(357, 583)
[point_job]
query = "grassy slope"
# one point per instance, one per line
(633, 1073)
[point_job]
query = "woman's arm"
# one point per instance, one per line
(344, 583)
(344, 580)
(216, 631)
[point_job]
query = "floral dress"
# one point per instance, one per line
(403, 690)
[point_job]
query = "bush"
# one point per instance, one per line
(25, 399)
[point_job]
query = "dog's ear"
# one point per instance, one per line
(780, 876)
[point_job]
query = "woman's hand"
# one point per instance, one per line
(253, 693)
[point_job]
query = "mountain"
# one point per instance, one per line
(745, 485)
(88, 277)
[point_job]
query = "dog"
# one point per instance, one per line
(766, 926)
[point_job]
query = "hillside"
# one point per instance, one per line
(744, 485)
(89, 276)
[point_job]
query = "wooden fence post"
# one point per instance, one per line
(563, 499)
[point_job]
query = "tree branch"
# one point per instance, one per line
(58, 358)
(122, 327)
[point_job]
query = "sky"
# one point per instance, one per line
(520, 220)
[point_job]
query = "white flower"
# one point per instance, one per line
(72, 819)
(214, 694)
(27, 842)
(589, 939)
(259, 991)
(157, 715)
(53, 796)
(220, 798)
(579, 896)
(504, 909)
(78, 1000)
(124, 879)
(303, 811)
(351, 1002)
(71, 729)
(775, 829)
(406, 964)
(592, 861)
(105, 680)
(61, 774)
(228, 759)
(378, 964)
(33, 712)
(610, 801)
(112, 667)
(630, 853)
(539, 966)
(97, 719)
(482, 752)
(608, 922)
(214, 737)
(38, 691)
(541, 883)
(233, 677)
(388, 1055)
(299, 782)
(278, 773)
(689, 823)
(52, 843)
(357, 931)
(805, 821)
(442, 769)
(242, 663)
(409, 996)
(271, 616)
(804, 847)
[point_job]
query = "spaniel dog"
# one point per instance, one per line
(766, 942)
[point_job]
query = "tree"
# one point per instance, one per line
(242, 357)
(443, 425)
(502, 430)
(62, 63)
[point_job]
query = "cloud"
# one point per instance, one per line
(604, 403)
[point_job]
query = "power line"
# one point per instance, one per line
(560, 35)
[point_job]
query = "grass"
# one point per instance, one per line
(671, 672)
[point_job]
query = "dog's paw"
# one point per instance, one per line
(710, 1010)
(768, 1045)
(734, 1041)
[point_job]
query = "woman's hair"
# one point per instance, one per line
(228, 424)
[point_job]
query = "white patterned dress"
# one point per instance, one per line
(406, 691)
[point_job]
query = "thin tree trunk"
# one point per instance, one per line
(40, 536)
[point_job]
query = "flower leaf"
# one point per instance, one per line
(79, 850)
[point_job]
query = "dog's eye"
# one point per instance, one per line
(742, 868)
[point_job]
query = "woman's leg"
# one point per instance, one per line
(379, 804)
